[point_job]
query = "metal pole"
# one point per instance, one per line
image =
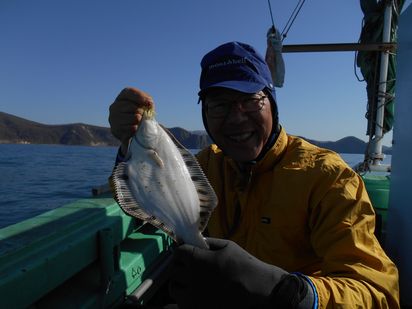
(339, 47)
(376, 149)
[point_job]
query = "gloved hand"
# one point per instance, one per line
(126, 113)
(226, 276)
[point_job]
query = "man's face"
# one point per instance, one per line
(245, 129)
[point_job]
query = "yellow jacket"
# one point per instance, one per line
(303, 209)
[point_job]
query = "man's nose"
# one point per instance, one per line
(236, 114)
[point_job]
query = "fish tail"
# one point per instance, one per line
(198, 241)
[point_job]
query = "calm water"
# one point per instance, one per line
(37, 178)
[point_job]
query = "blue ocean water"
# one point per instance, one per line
(38, 178)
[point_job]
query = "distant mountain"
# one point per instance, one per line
(349, 144)
(16, 130)
(191, 140)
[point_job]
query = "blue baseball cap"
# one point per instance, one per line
(236, 66)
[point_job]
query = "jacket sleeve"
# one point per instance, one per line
(355, 269)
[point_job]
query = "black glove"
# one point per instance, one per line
(226, 276)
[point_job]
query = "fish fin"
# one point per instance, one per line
(155, 156)
(207, 197)
(119, 182)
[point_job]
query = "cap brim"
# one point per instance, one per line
(242, 86)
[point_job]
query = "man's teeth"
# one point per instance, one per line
(241, 137)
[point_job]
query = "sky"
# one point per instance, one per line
(65, 61)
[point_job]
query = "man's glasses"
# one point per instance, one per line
(219, 107)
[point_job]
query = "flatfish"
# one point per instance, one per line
(162, 183)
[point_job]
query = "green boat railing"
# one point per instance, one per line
(377, 186)
(86, 254)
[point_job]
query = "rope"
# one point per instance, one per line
(271, 15)
(291, 19)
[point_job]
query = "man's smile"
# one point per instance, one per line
(240, 137)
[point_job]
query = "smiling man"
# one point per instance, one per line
(239, 110)
(294, 227)
(239, 123)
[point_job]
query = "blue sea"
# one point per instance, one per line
(38, 178)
